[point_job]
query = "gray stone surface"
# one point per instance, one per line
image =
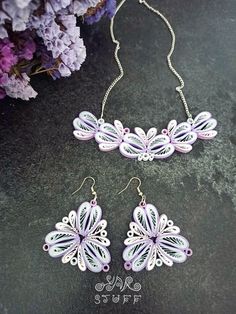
(41, 164)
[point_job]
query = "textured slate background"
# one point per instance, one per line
(41, 164)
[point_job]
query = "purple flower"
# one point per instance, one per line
(46, 59)
(64, 43)
(3, 78)
(26, 46)
(64, 70)
(42, 36)
(57, 5)
(3, 32)
(18, 12)
(19, 87)
(108, 9)
(80, 7)
(7, 55)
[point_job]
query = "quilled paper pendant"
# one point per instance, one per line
(153, 240)
(81, 239)
(144, 146)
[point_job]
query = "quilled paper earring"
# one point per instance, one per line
(153, 240)
(81, 237)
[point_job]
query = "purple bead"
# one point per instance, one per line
(106, 268)
(93, 202)
(127, 265)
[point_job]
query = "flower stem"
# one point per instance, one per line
(43, 71)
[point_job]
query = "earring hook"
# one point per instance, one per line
(140, 193)
(92, 187)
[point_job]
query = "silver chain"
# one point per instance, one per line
(169, 62)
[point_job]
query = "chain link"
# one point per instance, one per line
(169, 62)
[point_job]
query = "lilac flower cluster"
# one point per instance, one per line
(108, 8)
(10, 55)
(39, 36)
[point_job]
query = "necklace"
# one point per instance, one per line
(138, 144)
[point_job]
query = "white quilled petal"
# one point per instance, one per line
(152, 259)
(151, 133)
(187, 138)
(59, 249)
(165, 259)
(61, 226)
(129, 150)
(141, 134)
(85, 126)
(171, 126)
(162, 222)
(89, 118)
(83, 135)
(94, 218)
(181, 129)
(107, 147)
(176, 241)
(176, 255)
(163, 152)
(158, 141)
(172, 229)
(99, 228)
(68, 256)
(140, 218)
(72, 218)
(80, 259)
(109, 129)
(207, 135)
(106, 141)
(206, 126)
(82, 126)
(59, 236)
(134, 240)
(100, 240)
(136, 229)
(201, 117)
(133, 250)
(153, 217)
(91, 261)
(83, 216)
(141, 260)
(119, 126)
(183, 148)
(135, 141)
(99, 251)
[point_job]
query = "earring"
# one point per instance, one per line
(81, 237)
(152, 239)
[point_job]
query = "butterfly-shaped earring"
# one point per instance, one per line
(153, 240)
(80, 238)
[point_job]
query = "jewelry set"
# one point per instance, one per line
(153, 240)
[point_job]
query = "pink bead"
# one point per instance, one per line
(93, 203)
(164, 131)
(127, 265)
(188, 252)
(106, 268)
